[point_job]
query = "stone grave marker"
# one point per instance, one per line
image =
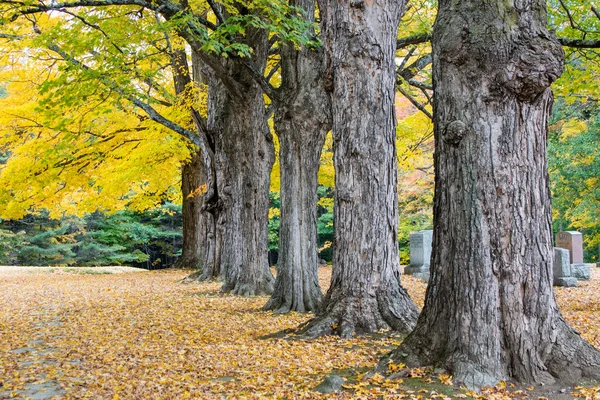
(573, 242)
(562, 269)
(420, 254)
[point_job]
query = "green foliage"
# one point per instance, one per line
(574, 162)
(325, 222)
(147, 240)
(274, 221)
(9, 242)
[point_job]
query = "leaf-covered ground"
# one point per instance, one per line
(146, 336)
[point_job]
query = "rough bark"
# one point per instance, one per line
(194, 226)
(244, 157)
(210, 207)
(302, 119)
(490, 312)
(193, 176)
(365, 293)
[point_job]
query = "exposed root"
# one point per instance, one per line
(350, 316)
(282, 302)
(257, 287)
(572, 358)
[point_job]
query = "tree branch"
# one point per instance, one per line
(10, 37)
(576, 43)
(415, 103)
(412, 70)
(580, 43)
(148, 109)
(217, 11)
(411, 40)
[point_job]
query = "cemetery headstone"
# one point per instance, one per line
(581, 271)
(562, 269)
(420, 254)
(572, 241)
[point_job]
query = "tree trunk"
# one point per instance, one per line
(365, 293)
(194, 224)
(193, 175)
(302, 119)
(244, 159)
(490, 312)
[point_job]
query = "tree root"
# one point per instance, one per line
(570, 360)
(350, 316)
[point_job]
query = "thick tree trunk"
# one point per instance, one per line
(365, 293)
(194, 224)
(490, 312)
(244, 159)
(302, 119)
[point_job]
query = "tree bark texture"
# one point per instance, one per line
(244, 157)
(302, 120)
(490, 312)
(194, 224)
(193, 175)
(365, 293)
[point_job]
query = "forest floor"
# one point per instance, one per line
(147, 336)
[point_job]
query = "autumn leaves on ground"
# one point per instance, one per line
(147, 335)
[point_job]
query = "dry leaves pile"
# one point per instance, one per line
(145, 335)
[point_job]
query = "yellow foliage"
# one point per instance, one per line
(326, 171)
(100, 154)
(125, 335)
(198, 192)
(572, 127)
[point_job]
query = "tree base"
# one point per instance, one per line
(303, 297)
(199, 276)
(570, 360)
(280, 305)
(349, 316)
(261, 287)
(188, 263)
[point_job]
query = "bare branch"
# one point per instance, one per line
(420, 85)
(217, 11)
(415, 103)
(412, 70)
(596, 12)
(576, 43)
(10, 37)
(580, 43)
(411, 40)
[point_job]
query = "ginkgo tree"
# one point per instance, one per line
(95, 155)
(233, 45)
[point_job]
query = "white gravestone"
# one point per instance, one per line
(420, 254)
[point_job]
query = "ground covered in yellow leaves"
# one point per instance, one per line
(146, 335)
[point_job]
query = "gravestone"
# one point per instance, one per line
(562, 269)
(420, 254)
(581, 271)
(572, 241)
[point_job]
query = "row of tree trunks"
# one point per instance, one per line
(490, 312)
(365, 293)
(302, 120)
